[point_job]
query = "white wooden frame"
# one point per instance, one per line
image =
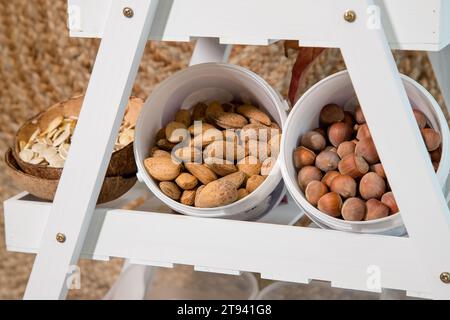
(278, 252)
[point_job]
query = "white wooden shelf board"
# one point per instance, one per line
(235, 21)
(278, 252)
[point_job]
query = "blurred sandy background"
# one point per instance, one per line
(40, 65)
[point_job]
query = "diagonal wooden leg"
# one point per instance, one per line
(110, 86)
(399, 143)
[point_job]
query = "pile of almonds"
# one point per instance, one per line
(51, 146)
(339, 169)
(214, 154)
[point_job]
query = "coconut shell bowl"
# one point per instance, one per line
(42, 144)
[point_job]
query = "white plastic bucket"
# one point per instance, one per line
(338, 89)
(208, 82)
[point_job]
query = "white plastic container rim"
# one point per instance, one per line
(208, 82)
(338, 89)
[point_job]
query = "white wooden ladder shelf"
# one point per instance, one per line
(415, 263)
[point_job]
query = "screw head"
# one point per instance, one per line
(350, 16)
(60, 237)
(445, 277)
(128, 12)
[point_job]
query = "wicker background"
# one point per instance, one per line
(41, 65)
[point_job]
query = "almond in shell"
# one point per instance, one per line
(242, 193)
(176, 132)
(197, 192)
(188, 197)
(160, 153)
(186, 181)
(162, 168)
(207, 137)
(213, 110)
(170, 189)
(199, 127)
(230, 120)
(224, 150)
(254, 182)
(184, 117)
(267, 165)
(221, 167)
(250, 166)
(188, 154)
(198, 111)
(201, 172)
(237, 178)
(257, 131)
(252, 112)
(217, 194)
(165, 144)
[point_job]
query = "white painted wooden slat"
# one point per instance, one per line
(278, 252)
(259, 22)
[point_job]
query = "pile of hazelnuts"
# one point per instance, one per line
(339, 169)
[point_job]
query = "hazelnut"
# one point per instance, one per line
(353, 209)
(330, 114)
(339, 132)
(378, 169)
(366, 148)
(372, 186)
(314, 191)
(359, 115)
(432, 138)
(314, 141)
(345, 186)
(388, 199)
(362, 131)
(436, 155)
(329, 177)
(327, 161)
(376, 210)
(330, 204)
(321, 131)
(330, 148)
(421, 118)
(435, 165)
(353, 166)
(346, 148)
(348, 118)
(303, 157)
(308, 174)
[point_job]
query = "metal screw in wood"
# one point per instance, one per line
(60, 237)
(128, 12)
(445, 277)
(350, 16)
